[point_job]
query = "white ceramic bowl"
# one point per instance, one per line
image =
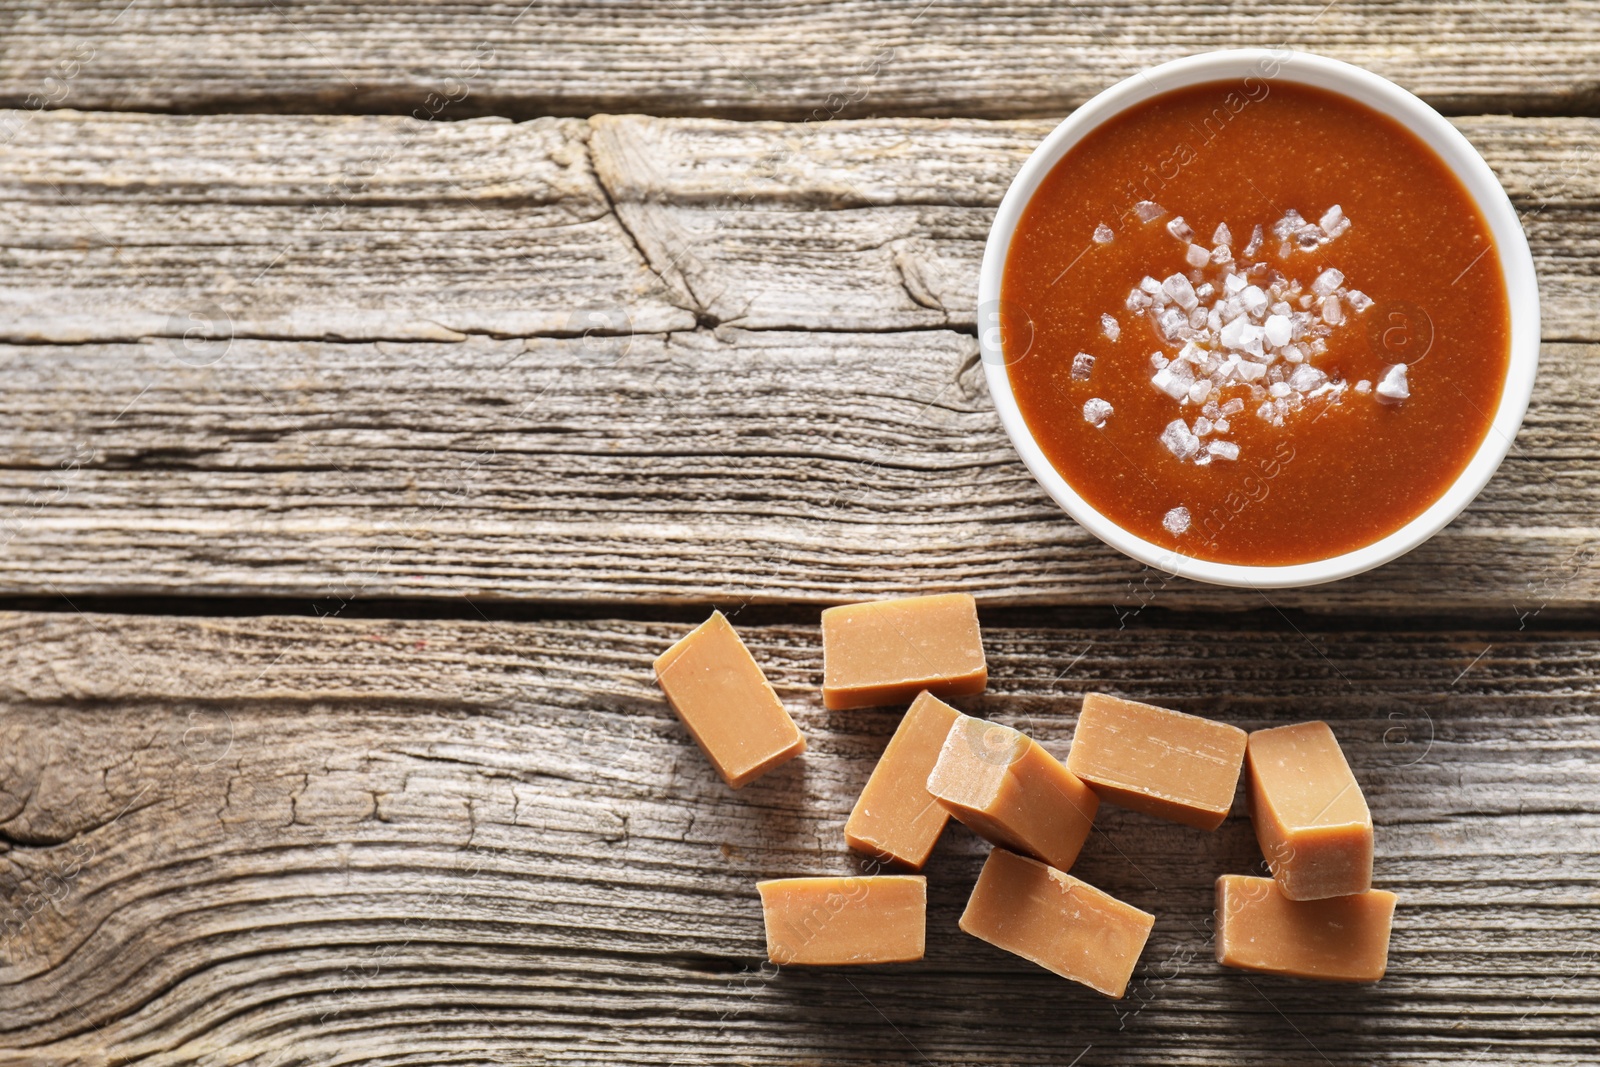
(1379, 94)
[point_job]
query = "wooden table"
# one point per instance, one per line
(385, 385)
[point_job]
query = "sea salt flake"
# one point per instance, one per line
(1306, 378)
(1234, 283)
(1176, 521)
(1173, 322)
(1110, 327)
(1357, 300)
(1202, 426)
(1363, 387)
(1331, 218)
(1179, 441)
(1233, 407)
(1149, 285)
(1174, 379)
(1332, 312)
(1199, 391)
(1393, 384)
(1196, 256)
(1253, 300)
(1327, 282)
(1180, 229)
(1137, 300)
(1287, 225)
(1221, 255)
(1096, 411)
(1279, 389)
(1250, 372)
(1278, 330)
(1082, 367)
(1255, 243)
(1149, 210)
(1103, 234)
(1205, 291)
(1181, 290)
(1221, 426)
(1157, 360)
(1223, 450)
(1222, 235)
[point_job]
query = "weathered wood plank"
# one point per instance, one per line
(737, 59)
(699, 466)
(881, 224)
(280, 840)
(118, 227)
(126, 226)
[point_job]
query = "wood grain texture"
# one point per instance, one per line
(385, 842)
(119, 227)
(736, 59)
(701, 466)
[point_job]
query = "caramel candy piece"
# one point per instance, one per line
(881, 918)
(1309, 814)
(1060, 922)
(896, 817)
(719, 692)
(1163, 763)
(886, 651)
(1008, 789)
(1341, 939)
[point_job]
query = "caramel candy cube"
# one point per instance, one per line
(896, 817)
(1060, 922)
(1340, 939)
(1309, 814)
(887, 651)
(880, 918)
(726, 703)
(1008, 789)
(1163, 763)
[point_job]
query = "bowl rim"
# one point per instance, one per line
(1380, 94)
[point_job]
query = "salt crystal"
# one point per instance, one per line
(1173, 322)
(1199, 391)
(1393, 385)
(1306, 378)
(1157, 360)
(1082, 366)
(1149, 210)
(1222, 235)
(1197, 319)
(1223, 449)
(1309, 237)
(1191, 353)
(1212, 410)
(1179, 441)
(1203, 459)
(1331, 218)
(1253, 299)
(1287, 225)
(1305, 301)
(1358, 300)
(1332, 313)
(1205, 292)
(1250, 372)
(1137, 300)
(1174, 379)
(1279, 389)
(1103, 234)
(1363, 387)
(1252, 336)
(1180, 229)
(1233, 407)
(1221, 254)
(1149, 284)
(1327, 282)
(1233, 283)
(1255, 243)
(1096, 411)
(1293, 354)
(1284, 250)
(1181, 290)
(1269, 413)
(1196, 256)
(1278, 330)
(1232, 335)
(1281, 307)
(1202, 426)
(1176, 521)
(1109, 327)
(1221, 426)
